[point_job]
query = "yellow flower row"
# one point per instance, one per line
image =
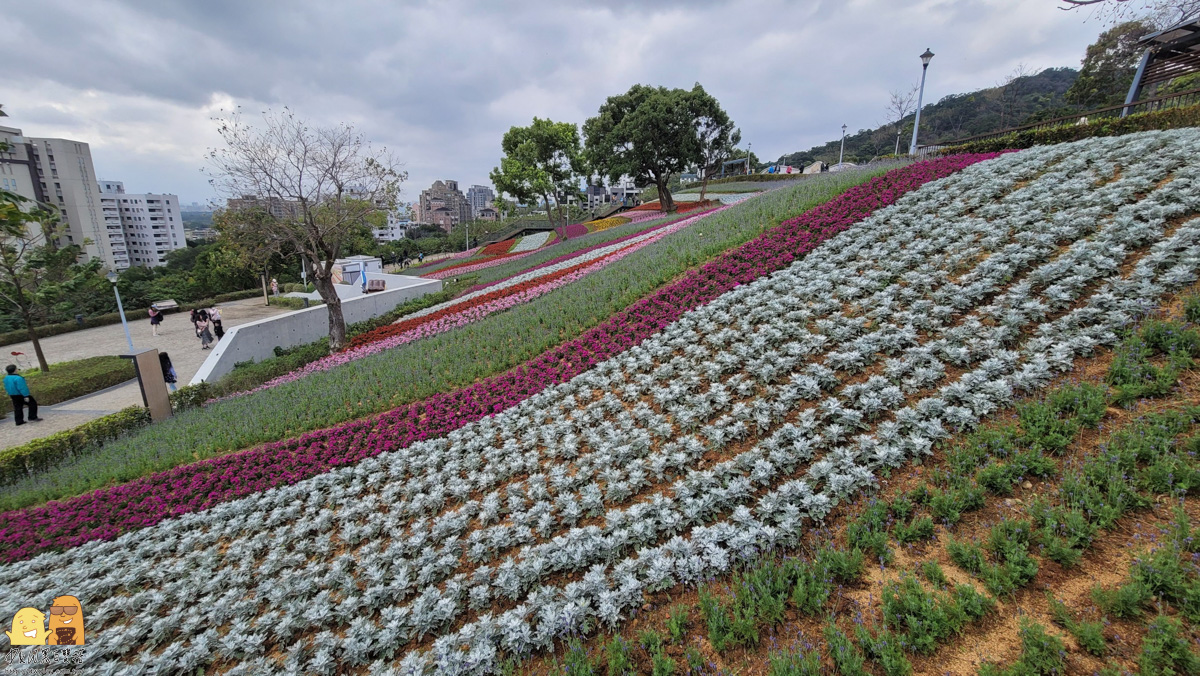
(606, 223)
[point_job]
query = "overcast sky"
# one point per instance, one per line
(439, 82)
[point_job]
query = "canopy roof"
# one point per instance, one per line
(1173, 52)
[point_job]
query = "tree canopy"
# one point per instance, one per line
(651, 134)
(541, 161)
(1109, 66)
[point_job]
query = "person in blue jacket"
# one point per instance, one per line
(18, 391)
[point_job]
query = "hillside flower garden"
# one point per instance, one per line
(708, 424)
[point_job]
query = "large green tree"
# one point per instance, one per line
(541, 161)
(34, 276)
(1109, 66)
(651, 134)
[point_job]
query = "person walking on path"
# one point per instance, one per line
(203, 332)
(156, 318)
(168, 370)
(274, 287)
(195, 320)
(18, 391)
(214, 316)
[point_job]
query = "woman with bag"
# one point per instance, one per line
(214, 315)
(156, 318)
(203, 332)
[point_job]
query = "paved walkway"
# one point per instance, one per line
(175, 336)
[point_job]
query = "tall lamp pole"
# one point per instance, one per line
(925, 59)
(748, 147)
(842, 154)
(112, 278)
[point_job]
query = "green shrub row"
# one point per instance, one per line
(1173, 118)
(67, 380)
(28, 459)
(21, 335)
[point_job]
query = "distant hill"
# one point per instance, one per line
(1025, 99)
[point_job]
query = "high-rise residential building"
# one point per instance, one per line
(479, 197)
(58, 172)
(141, 228)
(395, 230)
(444, 205)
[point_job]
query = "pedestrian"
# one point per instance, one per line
(195, 320)
(203, 332)
(274, 287)
(214, 315)
(168, 370)
(18, 391)
(156, 318)
(420, 258)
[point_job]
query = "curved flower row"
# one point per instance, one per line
(474, 306)
(497, 248)
(531, 242)
(680, 207)
(606, 223)
(105, 513)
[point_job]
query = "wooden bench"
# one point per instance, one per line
(374, 285)
(164, 305)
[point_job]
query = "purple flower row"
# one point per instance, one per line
(107, 512)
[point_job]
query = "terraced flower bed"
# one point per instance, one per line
(723, 435)
(468, 356)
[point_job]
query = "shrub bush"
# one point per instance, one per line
(1175, 118)
(35, 456)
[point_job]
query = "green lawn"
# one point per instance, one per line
(69, 379)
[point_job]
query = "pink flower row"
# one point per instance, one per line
(107, 512)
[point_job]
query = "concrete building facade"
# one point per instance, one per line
(141, 228)
(444, 205)
(58, 172)
(479, 197)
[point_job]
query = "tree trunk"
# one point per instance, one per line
(550, 217)
(266, 298)
(704, 185)
(664, 196)
(37, 345)
(337, 323)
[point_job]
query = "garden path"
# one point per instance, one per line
(174, 337)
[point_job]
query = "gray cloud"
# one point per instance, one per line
(440, 82)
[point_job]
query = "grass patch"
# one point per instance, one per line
(67, 380)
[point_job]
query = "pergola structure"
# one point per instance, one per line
(1169, 54)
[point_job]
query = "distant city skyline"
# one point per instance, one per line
(790, 74)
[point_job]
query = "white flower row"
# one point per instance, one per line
(530, 242)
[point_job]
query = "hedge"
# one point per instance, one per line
(70, 379)
(39, 454)
(1173, 118)
(21, 335)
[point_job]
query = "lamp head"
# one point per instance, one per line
(111, 276)
(844, 129)
(926, 57)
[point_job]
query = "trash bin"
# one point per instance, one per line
(79, 319)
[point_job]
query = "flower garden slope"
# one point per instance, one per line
(442, 537)
(104, 513)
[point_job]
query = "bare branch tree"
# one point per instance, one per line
(1010, 92)
(328, 181)
(1162, 13)
(901, 104)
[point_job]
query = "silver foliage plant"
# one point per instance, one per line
(722, 437)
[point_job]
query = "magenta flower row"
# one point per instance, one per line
(107, 512)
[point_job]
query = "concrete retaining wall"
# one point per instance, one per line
(258, 340)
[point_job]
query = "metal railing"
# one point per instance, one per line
(1188, 98)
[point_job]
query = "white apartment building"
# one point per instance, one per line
(121, 230)
(395, 229)
(141, 228)
(58, 172)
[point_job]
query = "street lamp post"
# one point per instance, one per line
(748, 147)
(925, 59)
(842, 154)
(112, 278)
